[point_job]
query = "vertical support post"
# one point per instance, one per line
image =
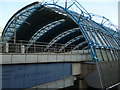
(15, 31)
(34, 48)
(7, 48)
(22, 49)
(55, 48)
(65, 4)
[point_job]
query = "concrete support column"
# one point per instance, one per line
(82, 85)
(86, 68)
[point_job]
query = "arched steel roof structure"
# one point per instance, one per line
(52, 23)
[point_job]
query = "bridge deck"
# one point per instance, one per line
(14, 58)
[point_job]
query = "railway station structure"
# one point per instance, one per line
(46, 45)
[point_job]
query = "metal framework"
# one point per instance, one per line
(43, 30)
(96, 34)
(80, 44)
(62, 35)
(71, 41)
(18, 20)
(52, 23)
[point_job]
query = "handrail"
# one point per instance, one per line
(38, 47)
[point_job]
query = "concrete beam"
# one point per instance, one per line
(44, 58)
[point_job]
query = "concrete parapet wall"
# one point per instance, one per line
(42, 58)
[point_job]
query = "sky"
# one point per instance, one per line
(107, 8)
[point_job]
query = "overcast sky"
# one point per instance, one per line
(107, 8)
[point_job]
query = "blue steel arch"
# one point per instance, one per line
(91, 39)
(79, 19)
(17, 20)
(91, 44)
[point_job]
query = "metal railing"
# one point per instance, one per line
(38, 47)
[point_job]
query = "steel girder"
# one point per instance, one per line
(71, 41)
(79, 45)
(60, 36)
(43, 30)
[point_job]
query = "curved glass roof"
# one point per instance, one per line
(51, 23)
(18, 20)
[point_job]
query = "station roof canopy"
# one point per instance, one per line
(51, 23)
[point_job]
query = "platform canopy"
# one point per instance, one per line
(51, 23)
